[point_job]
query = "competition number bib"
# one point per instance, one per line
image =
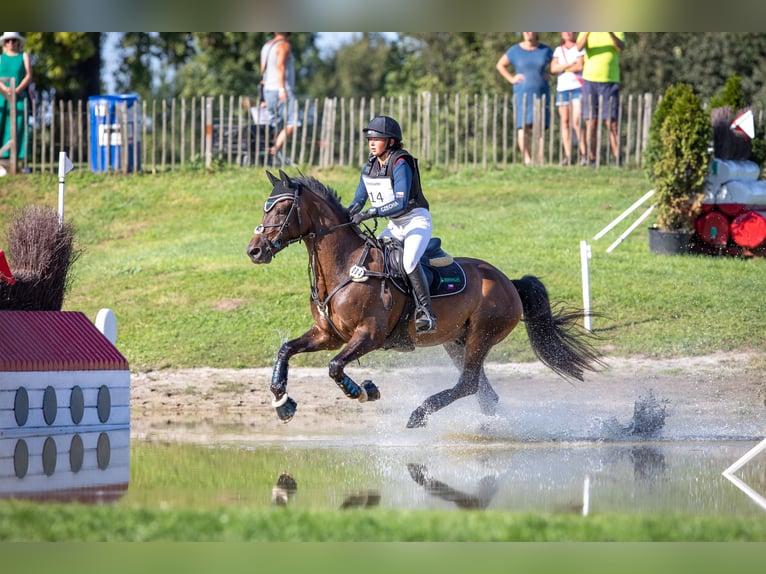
(379, 190)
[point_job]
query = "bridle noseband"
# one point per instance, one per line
(278, 245)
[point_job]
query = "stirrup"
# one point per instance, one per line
(425, 322)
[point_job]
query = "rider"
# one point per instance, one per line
(391, 181)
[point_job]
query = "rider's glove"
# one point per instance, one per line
(354, 208)
(359, 217)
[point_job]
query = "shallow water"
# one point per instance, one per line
(549, 458)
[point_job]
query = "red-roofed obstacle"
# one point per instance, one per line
(64, 408)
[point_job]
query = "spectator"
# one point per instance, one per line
(601, 75)
(530, 60)
(278, 78)
(391, 181)
(14, 63)
(567, 63)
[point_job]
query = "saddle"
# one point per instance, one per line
(443, 273)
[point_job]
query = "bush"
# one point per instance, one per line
(682, 158)
(42, 253)
(654, 144)
(731, 95)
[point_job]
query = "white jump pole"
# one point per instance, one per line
(586, 496)
(585, 255)
(624, 214)
(738, 482)
(65, 166)
(630, 229)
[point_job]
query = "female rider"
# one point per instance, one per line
(391, 181)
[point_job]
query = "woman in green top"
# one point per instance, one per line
(13, 64)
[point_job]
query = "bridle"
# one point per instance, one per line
(274, 247)
(278, 244)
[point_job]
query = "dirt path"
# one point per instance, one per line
(710, 396)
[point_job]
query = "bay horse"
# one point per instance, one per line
(358, 306)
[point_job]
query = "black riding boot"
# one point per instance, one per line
(425, 320)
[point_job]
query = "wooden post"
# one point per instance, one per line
(229, 129)
(172, 134)
(163, 151)
(183, 131)
(208, 133)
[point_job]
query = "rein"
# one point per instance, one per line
(278, 245)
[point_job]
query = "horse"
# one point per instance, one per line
(358, 305)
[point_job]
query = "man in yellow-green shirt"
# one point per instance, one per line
(601, 84)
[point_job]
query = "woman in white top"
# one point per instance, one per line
(567, 62)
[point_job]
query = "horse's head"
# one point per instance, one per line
(281, 223)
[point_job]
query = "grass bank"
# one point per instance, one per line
(167, 254)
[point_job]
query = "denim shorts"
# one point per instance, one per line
(281, 112)
(566, 97)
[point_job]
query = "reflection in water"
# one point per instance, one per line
(88, 466)
(625, 477)
(284, 489)
(363, 499)
(486, 490)
(648, 463)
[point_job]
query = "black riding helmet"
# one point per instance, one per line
(383, 127)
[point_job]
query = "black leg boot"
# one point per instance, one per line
(425, 320)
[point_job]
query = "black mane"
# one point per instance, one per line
(322, 190)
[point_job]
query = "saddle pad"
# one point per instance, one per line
(447, 280)
(442, 281)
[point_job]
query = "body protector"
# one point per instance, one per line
(377, 185)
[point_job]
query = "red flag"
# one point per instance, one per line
(5, 271)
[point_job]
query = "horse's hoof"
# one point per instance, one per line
(417, 419)
(371, 390)
(286, 411)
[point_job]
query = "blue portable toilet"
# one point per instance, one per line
(108, 115)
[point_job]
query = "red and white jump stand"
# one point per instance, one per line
(64, 407)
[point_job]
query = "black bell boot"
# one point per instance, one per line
(425, 320)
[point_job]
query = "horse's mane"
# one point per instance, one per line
(328, 193)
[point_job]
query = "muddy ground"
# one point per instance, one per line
(719, 395)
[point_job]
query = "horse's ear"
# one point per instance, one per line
(285, 178)
(272, 178)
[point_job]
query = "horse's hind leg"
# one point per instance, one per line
(485, 394)
(467, 384)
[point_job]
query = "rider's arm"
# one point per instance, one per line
(402, 183)
(360, 198)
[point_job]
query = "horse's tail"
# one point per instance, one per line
(556, 337)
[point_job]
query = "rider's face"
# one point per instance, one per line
(377, 146)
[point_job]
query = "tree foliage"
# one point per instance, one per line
(679, 170)
(166, 64)
(66, 64)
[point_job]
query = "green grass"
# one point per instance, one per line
(167, 254)
(24, 521)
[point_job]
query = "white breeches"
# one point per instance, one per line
(414, 231)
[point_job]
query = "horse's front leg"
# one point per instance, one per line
(360, 344)
(315, 339)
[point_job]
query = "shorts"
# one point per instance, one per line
(566, 97)
(281, 112)
(592, 92)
